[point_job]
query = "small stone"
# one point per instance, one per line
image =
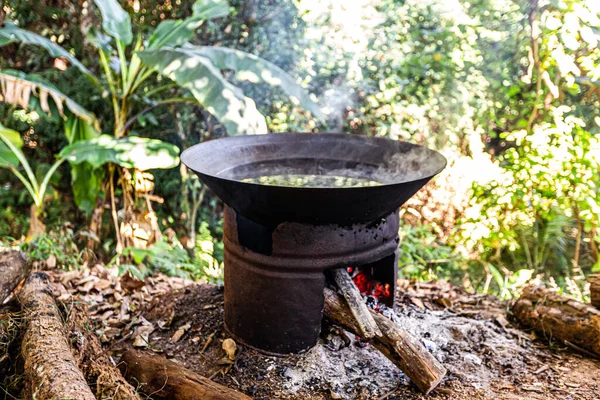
(472, 359)
(431, 346)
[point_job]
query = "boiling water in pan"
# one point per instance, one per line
(314, 181)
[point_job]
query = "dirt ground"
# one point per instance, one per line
(487, 355)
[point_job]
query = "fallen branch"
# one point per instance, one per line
(50, 368)
(398, 345)
(367, 325)
(97, 367)
(165, 379)
(13, 269)
(559, 317)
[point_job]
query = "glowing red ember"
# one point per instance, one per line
(368, 286)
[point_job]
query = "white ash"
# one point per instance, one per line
(467, 348)
(350, 373)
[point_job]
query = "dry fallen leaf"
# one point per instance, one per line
(103, 284)
(86, 287)
(533, 388)
(142, 335)
(417, 302)
(51, 261)
(131, 283)
(230, 348)
(180, 332)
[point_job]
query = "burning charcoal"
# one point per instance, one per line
(361, 280)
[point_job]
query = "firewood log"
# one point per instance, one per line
(13, 268)
(50, 368)
(367, 325)
(594, 281)
(558, 317)
(165, 379)
(398, 345)
(103, 377)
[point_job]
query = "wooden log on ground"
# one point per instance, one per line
(594, 281)
(102, 375)
(558, 317)
(367, 325)
(165, 379)
(13, 269)
(401, 347)
(50, 368)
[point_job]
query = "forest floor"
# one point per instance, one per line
(486, 355)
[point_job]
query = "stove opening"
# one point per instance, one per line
(376, 281)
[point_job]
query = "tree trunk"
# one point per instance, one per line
(50, 368)
(165, 379)
(97, 367)
(13, 269)
(559, 317)
(402, 348)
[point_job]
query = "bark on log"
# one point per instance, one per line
(13, 268)
(165, 379)
(102, 376)
(594, 281)
(401, 347)
(367, 325)
(559, 317)
(50, 367)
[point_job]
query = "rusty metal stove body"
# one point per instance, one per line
(280, 240)
(274, 277)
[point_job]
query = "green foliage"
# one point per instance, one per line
(423, 257)
(11, 141)
(251, 68)
(115, 21)
(549, 184)
(59, 245)
(510, 285)
(222, 99)
(130, 152)
(11, 155)
(12, 33)
(18, 88)
(174, 260)
(174, 33)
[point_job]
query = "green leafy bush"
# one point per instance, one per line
(544, 209)
(55, 249)
(174, 260)
(423, 257)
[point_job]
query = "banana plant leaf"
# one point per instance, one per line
(7, 156)
(255, 69)
(86, 181)
(174, 33)
(115, 21)
(129, 152)
(226, 102)
(12, 33)
(30, 91)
